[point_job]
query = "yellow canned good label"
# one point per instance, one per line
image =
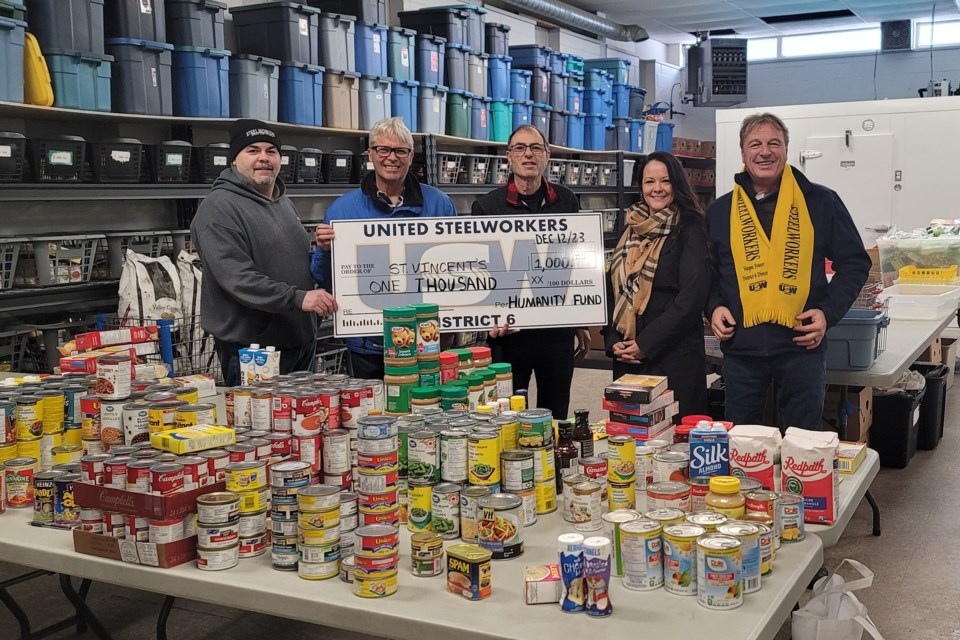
(52, 412)
(420, 508)
(546, 496)
(28, 419)
(375, 588)
(544, 464)
(329, 519)
(318, 536)
(253, 500)
(8, 452)
(162, 419)
(508, 436)
(318, 570)
(246, 479)
(621, 459)
(192, 397)
(67, 453)
(72, 437)
(483, 461)
(621, 495)
(29, 448)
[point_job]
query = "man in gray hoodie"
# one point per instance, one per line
(257, 286)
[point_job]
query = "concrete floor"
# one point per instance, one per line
(915, 592)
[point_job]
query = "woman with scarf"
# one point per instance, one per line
(659, 280)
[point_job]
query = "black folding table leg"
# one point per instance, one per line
(84, 589)
(162, 618)
(876, 512)
(17, 612)
(82, 609)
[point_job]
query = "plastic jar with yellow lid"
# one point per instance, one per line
(400, 337)
(400, 383)
(725, 497)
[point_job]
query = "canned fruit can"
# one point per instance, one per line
(719, 572)
(612, 522)
(377, 540)
(469, 512)
(219, 536)
(680, 557)
(245, 476)
(621, 459)
(766, 549)
(748, 534)
(318, 497)
(516, 472)
(791, 518)
(445, 511)
(642, 554)
(500, 525)
(18, 480)
(587, 506)
(483, 459)
(535, 428)
(218, 559)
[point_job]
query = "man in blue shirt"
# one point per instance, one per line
(388, 191)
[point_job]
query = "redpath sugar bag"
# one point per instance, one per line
(755, 453)
(810, 461)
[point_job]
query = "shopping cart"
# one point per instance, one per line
(184, 346)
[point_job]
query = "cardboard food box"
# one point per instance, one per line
(933, 353)
(87, 362)
(851, 455)
(639, 389)
(542, 584)
(205, 385)
(145, 505)
(132, 335)
(708, 148)
(860, 412)
(193, 439)
(151, 554)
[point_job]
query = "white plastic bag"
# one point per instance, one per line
(834, 613)
(149, 290)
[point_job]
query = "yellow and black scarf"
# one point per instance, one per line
(773, 274)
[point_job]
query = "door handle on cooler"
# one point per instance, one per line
(806, 155)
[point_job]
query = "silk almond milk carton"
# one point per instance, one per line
(755, 453)
(810, 461)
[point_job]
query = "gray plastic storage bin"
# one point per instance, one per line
(341, 104)
(139, 19)
(288, 163)
(72, 25)
(196, 23)
(254, 87)
(365, 10)
(541, 118)
(401, 53)
(497, 39)
(286, 31)
(148, 243)
(558, 128)
(51, 260)
(856, 340)
(141, 76)
(337, 45)
(558, 90)
(433, 109)
(374, 100)
(618, 136)
(457, 66)
(477, 70)
(431, 59)
(12, 33)
(540, 86)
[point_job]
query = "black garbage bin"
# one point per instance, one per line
(896, 420)
(933, 407)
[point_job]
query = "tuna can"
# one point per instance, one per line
(671, 466)
(285, 528)
(319, 497)
(329, 552)
(347, 568)
(621, 459)
(517, 472)
(343, 481)
(374, 541)
(669, 495)
(445, 512)
(546, 493)
(190, 415)
(544, 464)
(374, 427)
(329, 519)
(377, 482)
(218, 508)
(91, 520)
(377, 502)
(454, 455)
(244, 476)
(483, 459)
(253, 545)
(166, 531)
(749, 535)
(319, 570)
(529, 507)
(287, 496)
(391, 517)
(621, 496)
(284, 560)
(290, 473)
(423, 456)
(500, 525)
(218, 536)
(43, 491)
(612, 522)
(253, 500)
(382, 445)
(377, 462)
(251, 523)
(470, 513)
(114, 376)
(791, 517)
(719, 572)
(376, 567)
(137, 529)
(680, 557)
(665, 515)
(348, 503)
(642, 554)
(535, 428)
(375, 587)
(709, 520)
(420, 510)
(218, 559)
(335, 451)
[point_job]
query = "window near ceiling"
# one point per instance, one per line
(943, 33)
(762, 49)
(820, 44)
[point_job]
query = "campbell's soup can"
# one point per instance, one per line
(166, 478)
(115, 472)
(351, 397)
(307, 449)
(282, 408)
(281, 445)
(138, 475)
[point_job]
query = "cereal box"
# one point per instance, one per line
(755, 453)
(810, 461)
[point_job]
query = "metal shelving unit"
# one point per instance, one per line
(75, 192)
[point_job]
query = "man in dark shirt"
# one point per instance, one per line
(547, 353)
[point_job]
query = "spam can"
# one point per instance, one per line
(469, 571)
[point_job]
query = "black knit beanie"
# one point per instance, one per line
(245, 132)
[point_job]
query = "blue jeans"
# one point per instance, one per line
(798, 384)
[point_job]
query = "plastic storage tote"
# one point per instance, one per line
(210, 161)
(593, 100)
(13, 154)
(341, 104)
(338, 41)
(920, 301)
(480, 118)
(574, 65)
(337, 166)
(895, 431)
(498, 77)
(431, 59)
(371, 49)
(558, 90)
(522, 113)
(401, 53)
(458, 66)
(477, 69)
(136, 19)
(574, 98)
(148, 243)
(57, 158)
(288, 163)
(636, 135)
(594, 132)
(596, 78)
(497, 39)
(520, 84)
(12, 33)
(540, 85)
(80, 81)
(665, 137)
(648, 136)
(254, 87)
(618, 68)
(374, 100)
(558, 62)
(373, 11)
(141, 77)
(116, 161)
(433, 109)
(934, 404)
(201, 81)
(501, 120)
(856, 340)
(309, 166)
(621, 100)
(459, 114)
(558, 127)
(618, 135)
(608, 112)
(405, 102)
(473, 30)
(638, 96)
(282, 30)
(301, 94)
(446, 23)
(530, 56)
(540, 118)
(169, 161)
(575, 124)
(71, 25)
(196, 23)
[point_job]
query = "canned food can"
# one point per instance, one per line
(28, 417)
(546, 493)
(190, 395)
(612, 522)
(426, 545)
(242, 407)
(766, 549)
(642, 553)
(500, 525)
(423, 456)
(8, 429)
(218, 508)
(261, 409)
(381, 445)
(529, 506)
(166, 531)
(483, 455)
(665, 516)
(375, 541)
(719, 572)
(454, 455)
(621, 459)
(165, 478)
(190, 415)
(709, 520)
(307, 413)
(217, 461)
(349, 502)
(569, 482)
(509, 432)
(218, 559)
(114, 376)
(65, 454)
(748, 534)
(136, 423)
(318, 570)
(115, 471)
(445, 512)
(347, 568)
(680, 557)
(374, 567)
(282, 410)
(43, 490)
(671, 466)
(587, 506)
(621, 496)
(375, 587)
(420, 510)
(336, 451)
(90, 417)
(377, 482)
(137, 529)
(138, 476)
(470, 513)
(114, 524)
(669, 495)
(376, 427)
(699, 488)
(517, 470)
(91, 520)
(31, 449)
(535, 428)
(791, 518)
(161, 416)
(218, 536)
(342, 480)
(9, 452)
(253, 545)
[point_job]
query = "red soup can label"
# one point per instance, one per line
(166, 478)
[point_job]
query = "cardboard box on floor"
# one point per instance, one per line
(948, 353)
(933, 353)
(860, 402)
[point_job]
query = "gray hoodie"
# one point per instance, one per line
(256, 265)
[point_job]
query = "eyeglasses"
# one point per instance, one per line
(520, 149)
(384, 152)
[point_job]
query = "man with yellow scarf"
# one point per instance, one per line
(772, 305)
